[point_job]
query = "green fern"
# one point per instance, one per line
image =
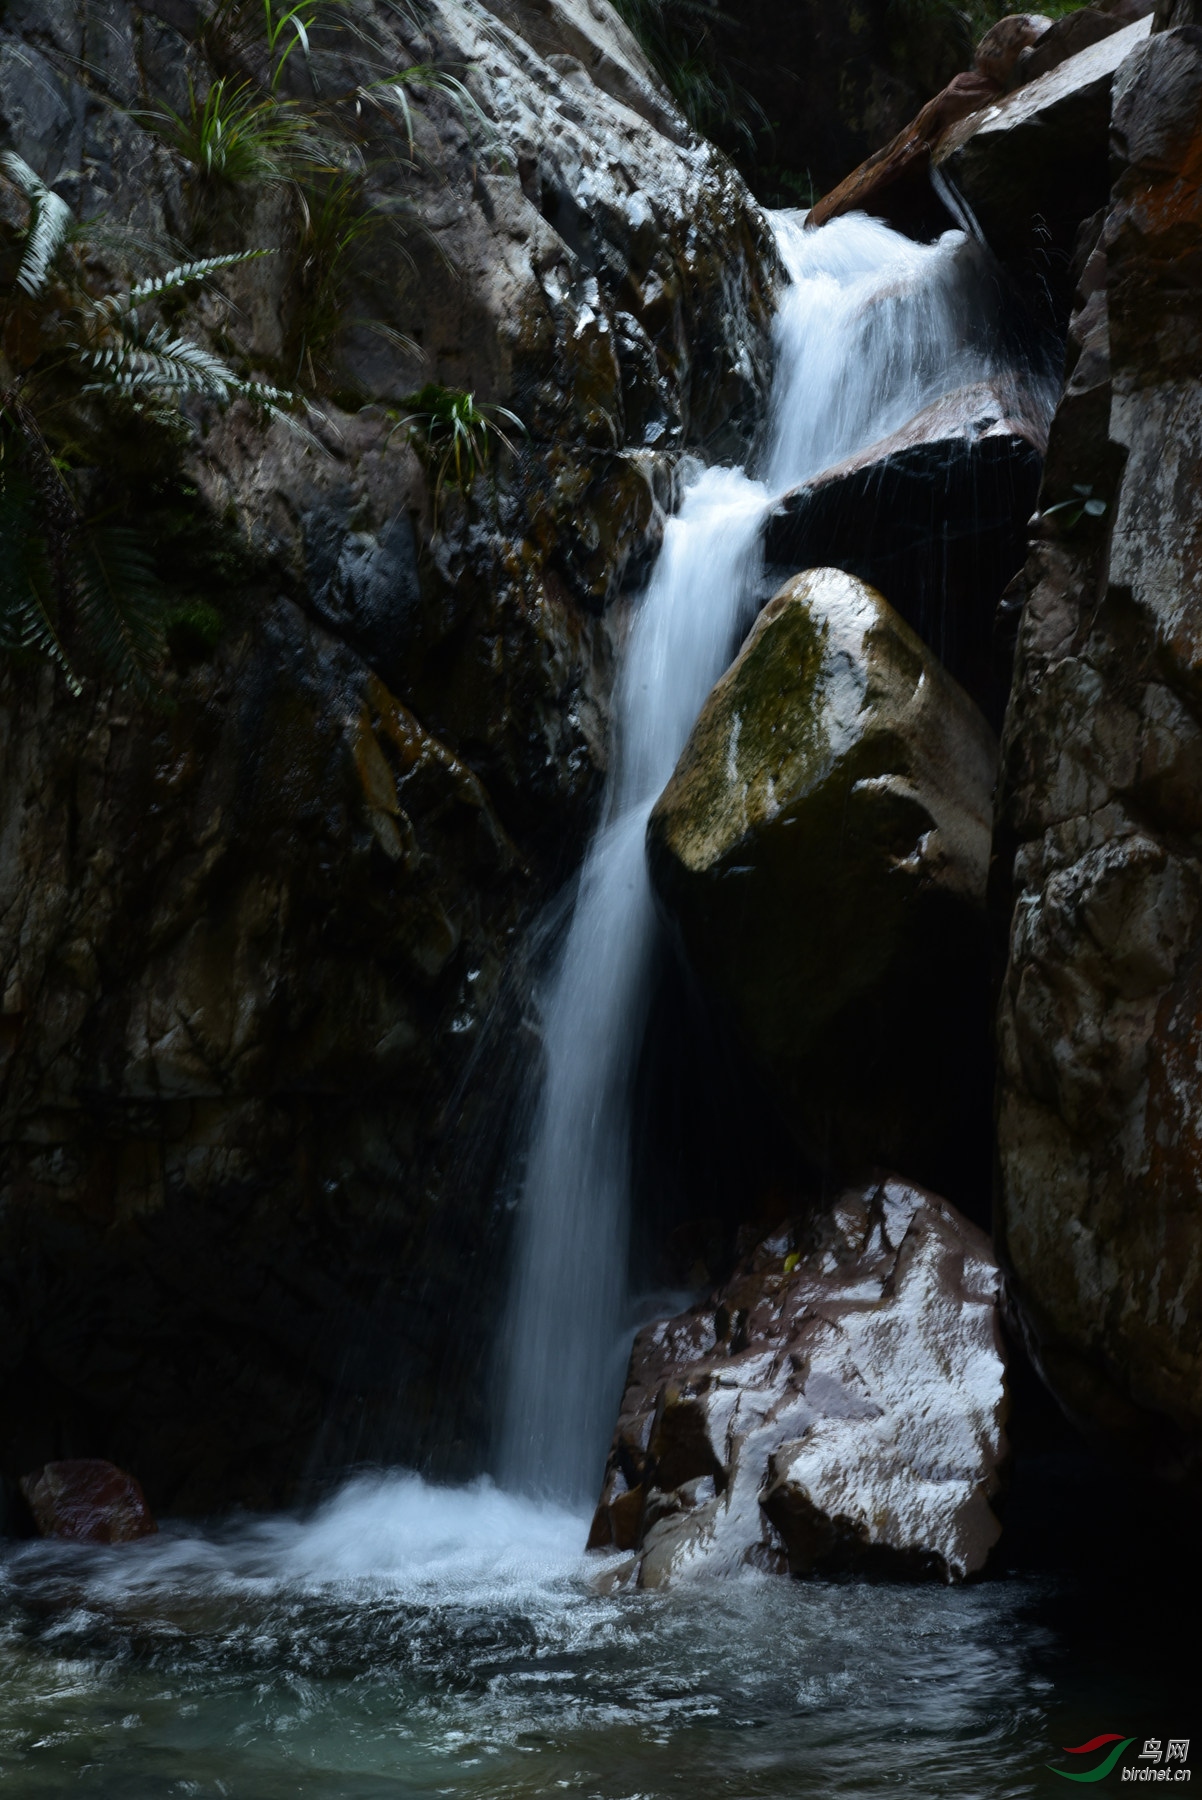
(50, 219)
(77, 369)
(121, 603)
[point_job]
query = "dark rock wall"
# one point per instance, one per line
(248, 938)
(1100, 1209)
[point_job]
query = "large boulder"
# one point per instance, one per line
(935, 517)
(249, 938)
(837, 1406)
(822, 850)
(1100, 820)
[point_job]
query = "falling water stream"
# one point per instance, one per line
(405, 1641)
(871, 328)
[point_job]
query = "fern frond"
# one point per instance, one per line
(50, 220)
(122, 604)
(26, 583)
(158, 361)
(156, 287)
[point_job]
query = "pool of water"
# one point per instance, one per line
(407, 1640)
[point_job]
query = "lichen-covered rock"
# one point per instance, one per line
(89, 1502)
(248, 938)
(836, 1407)
(933, 516)
(1100, 1213)
(822, 850)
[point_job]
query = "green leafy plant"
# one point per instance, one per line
(1085, 504)
(236, 134)
(453, 433)
(293, 26)
(81, 372)
(338, 222)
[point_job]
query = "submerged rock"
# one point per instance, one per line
(838, 1408)
(822, 850)
(935, 517)
(1100, 819)
(88, 1501)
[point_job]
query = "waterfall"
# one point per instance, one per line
(871, 328)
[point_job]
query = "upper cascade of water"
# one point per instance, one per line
(871, 328)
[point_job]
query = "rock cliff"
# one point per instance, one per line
(248, 932)
(1100, 1210)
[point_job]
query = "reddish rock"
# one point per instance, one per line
(841, 1408)
(88, 1501)
(999, 50)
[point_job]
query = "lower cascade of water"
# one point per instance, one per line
(871, 328)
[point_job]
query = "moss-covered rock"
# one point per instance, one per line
(822, 850)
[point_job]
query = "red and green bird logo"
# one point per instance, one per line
(1099, 1770)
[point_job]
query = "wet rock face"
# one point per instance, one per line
(836, 1407)
(247, 942)
(934, 517)
(88, 1502)
(1036, 162)
(1100, 1212)
(821, 851)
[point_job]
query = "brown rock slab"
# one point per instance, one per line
(839, 1406)
(87, 1501)
(998, 52)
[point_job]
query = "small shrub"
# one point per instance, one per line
(453, 433)
(236, 134)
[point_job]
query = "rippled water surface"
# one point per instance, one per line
(407, 1640)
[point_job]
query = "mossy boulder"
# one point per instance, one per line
(822, 850)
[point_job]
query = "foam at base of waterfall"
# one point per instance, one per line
(390, 1534)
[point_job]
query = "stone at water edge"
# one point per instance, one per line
(821, 851)
(841, 1410)
(87, 1501)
